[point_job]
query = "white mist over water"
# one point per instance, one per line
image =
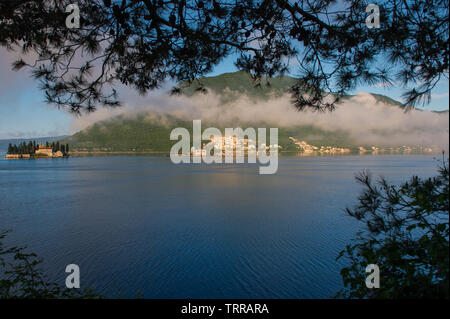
(362, 117)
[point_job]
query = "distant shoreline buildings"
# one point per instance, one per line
(307, 149)
(31, 150)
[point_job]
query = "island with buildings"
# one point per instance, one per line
(33, 150)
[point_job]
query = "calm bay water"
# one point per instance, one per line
(142, 224)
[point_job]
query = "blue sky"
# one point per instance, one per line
(23, 114)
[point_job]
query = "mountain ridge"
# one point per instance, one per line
(242, 82)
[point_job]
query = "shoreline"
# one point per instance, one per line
(28, 157)
(167, 154)
(283, 153)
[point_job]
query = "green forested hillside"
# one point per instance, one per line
(240, 82)
(139, 134)
(121, 133)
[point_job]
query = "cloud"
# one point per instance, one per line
(362, 117)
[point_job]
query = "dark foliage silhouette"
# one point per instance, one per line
(405, 233)
(22, 277)
(142, 43)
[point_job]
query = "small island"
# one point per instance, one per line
(33, 150)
